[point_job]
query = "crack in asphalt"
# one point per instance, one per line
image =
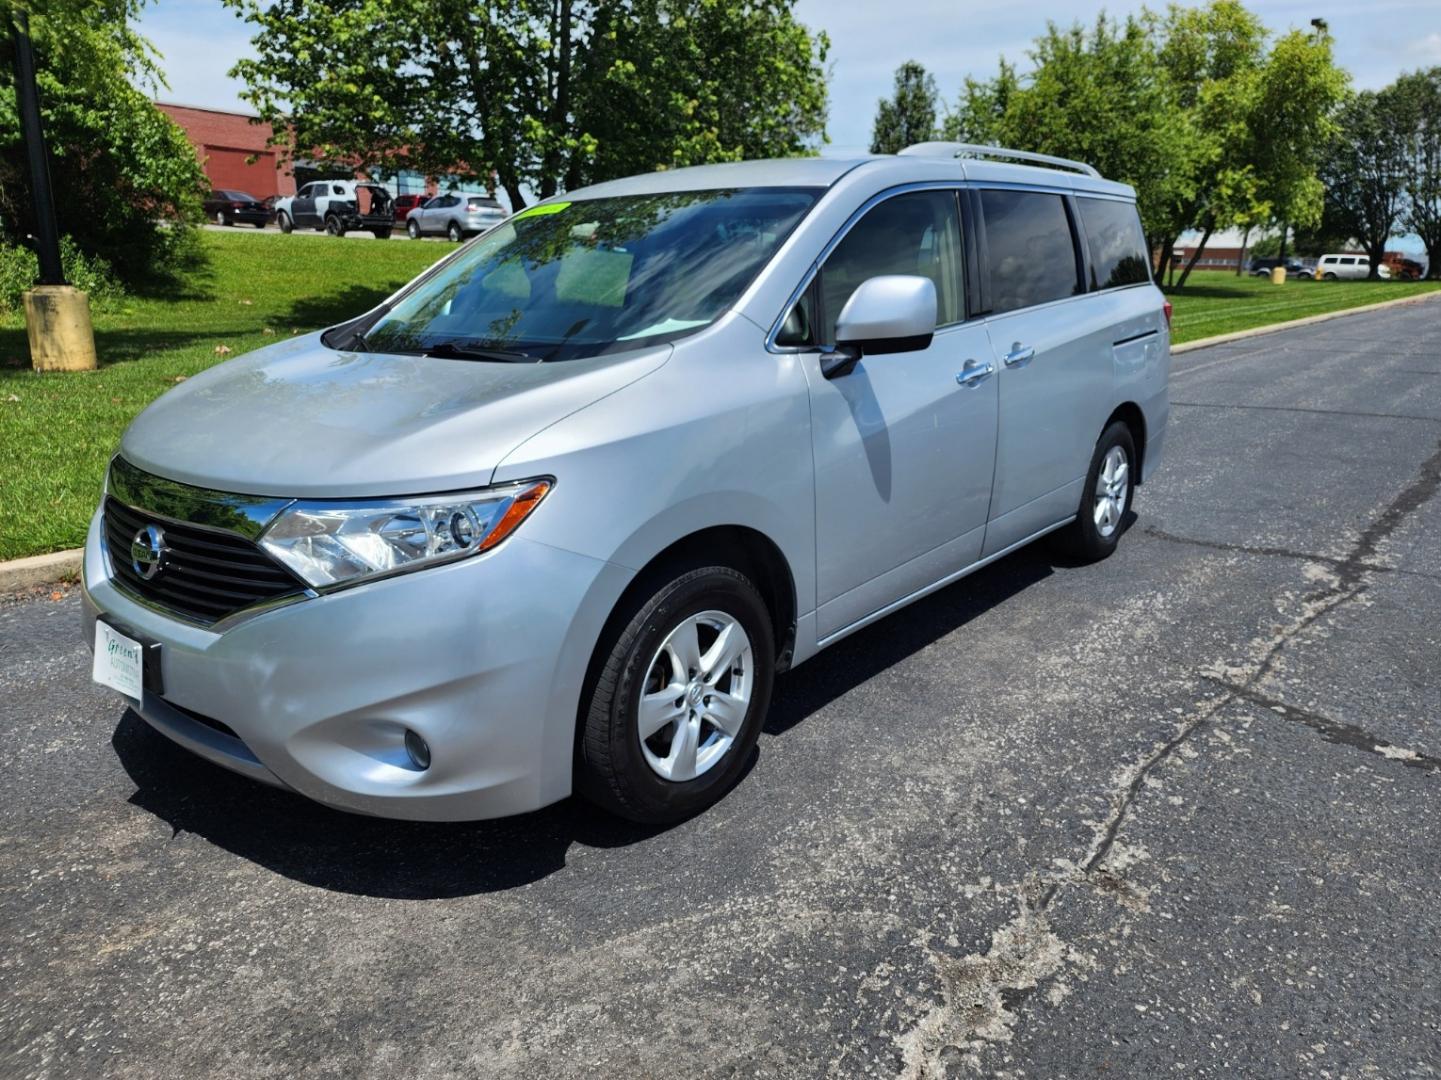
(1333, 561)
(982, 994)
(1333, 730)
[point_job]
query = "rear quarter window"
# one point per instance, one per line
(1117, 244)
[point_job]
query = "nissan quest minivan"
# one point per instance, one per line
(553, 517)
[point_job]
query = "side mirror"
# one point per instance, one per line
(887, 314)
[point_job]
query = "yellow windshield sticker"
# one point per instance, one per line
(543, 208)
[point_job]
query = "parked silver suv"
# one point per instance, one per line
(553, 516)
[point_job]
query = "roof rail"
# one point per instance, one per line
(960, 149)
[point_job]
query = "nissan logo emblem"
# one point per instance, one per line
(148, 551)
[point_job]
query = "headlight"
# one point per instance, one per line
(329, 543)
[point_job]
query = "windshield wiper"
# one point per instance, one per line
(460, 350)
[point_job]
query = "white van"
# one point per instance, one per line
(1346, 268)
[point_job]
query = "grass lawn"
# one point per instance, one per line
(1218, 302)
(57, 431)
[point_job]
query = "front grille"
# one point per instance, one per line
(207, 575)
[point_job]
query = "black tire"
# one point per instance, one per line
(285, 223)
(333, 226)
(611, 768)
(455, 232)
(413, 229)
(222, 218)
(1084, 539)
(381, 234)
(1329, 276)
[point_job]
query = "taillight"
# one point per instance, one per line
(1167, 309)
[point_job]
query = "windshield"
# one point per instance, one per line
(566, 280)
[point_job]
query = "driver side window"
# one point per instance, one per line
(918, 233)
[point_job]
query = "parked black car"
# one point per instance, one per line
(227, 207)
(1263, 268)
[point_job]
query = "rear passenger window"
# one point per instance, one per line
(917, 233)
(1031, 253)
(1116, 242)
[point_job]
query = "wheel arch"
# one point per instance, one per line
(1130, 414)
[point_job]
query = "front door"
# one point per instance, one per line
(303, 206)
(903, 448)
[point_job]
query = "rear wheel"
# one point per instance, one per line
(381, 234)
(455, 233)
(333, 225)
(220, 218)
(1105, 498)
(679, 701)
(412, 229)
(285, 224)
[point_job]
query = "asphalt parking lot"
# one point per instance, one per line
(1174, 814)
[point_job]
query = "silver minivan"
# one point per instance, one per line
(553, 517)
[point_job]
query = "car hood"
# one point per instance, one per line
(300, 420)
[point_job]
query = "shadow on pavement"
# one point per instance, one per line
(329, 849)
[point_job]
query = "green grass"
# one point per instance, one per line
(1218, 302)
(58, 430)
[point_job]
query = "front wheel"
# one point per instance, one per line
(412, 229)
(455, 233)
(1105, 498)
(1330, 276)
(381, 234)
(285, 224)
(220, 218)
(679, 700)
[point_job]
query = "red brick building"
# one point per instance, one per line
(226, 142)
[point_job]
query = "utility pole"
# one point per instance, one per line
(57, 316)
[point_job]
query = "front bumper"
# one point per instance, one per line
(484, 658)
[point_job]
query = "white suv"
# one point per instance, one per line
(338, 206)
(1346, 268)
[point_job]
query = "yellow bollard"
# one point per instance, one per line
(57, 318)
(1278, 275)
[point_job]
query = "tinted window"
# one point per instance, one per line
(579, 279)
(1117, 244)
(1349, 261)
(919, 233)
(1032, 256)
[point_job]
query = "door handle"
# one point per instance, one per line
(974, 373)
(1019, 356)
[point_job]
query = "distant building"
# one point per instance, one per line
(235, 152)
(233, 148)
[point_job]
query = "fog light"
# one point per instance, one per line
(418, 750)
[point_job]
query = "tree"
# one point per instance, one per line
(117, 165)
(1418, 99)
(1364, 171)
(909, 116)
(540, 94)
(1213, 128)
(1097, 95)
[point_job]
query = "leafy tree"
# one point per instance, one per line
(1364, 171)
(117, 164)
(1191, 107)
(909, 115)
(1418, 100)
(545, 94)
(1098, 95)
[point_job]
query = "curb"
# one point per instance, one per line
(1271, 328)
(17, 575)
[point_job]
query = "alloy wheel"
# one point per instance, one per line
(695, 697)
(1113, 486)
